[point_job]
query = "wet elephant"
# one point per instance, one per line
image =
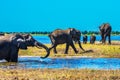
(10, 45)
(105, 31)
(65, 36)
(2, 34)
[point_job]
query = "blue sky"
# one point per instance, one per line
(47, 15)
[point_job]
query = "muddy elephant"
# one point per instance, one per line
(65, 36)
(105, 31)
(92, 39)
(85, 38)
(10, 45)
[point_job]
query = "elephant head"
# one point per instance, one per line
(30, 41)
(105, 31)
(18, 41)
(76, 34)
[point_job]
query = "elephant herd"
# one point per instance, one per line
(105, 31)
(92, 39)
(10, 44)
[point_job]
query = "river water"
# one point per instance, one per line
(46, 40)
(69, 63)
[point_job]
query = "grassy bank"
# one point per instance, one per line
(92, 50)
(59, 74)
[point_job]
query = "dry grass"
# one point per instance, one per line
(58, 74)
(92, 50)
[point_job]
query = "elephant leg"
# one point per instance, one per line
(83, 42)
(7, 59)
(104, 40)
(55, 51)
(53, 46)
(66, 50)
(14, 58)
(109, 39)
(72, 45)
(14, 55)
(90, 41)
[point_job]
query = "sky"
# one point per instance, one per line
(48, 15)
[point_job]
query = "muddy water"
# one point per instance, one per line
(60, 63)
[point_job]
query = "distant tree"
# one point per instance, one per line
(84, 32)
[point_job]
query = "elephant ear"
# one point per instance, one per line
(19, 42)
(26, 36)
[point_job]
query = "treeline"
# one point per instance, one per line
(46, 33)
(97, 32)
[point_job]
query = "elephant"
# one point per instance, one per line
(10, 45)
(60, 36)
(85, 39)
(105, 31)
(92, 39)
(2, 34)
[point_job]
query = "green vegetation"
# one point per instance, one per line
(46, 32)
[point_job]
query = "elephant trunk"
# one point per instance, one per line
(80, 45)
(38, 45)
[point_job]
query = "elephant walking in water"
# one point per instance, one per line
(105, 31)
(65, 36)
(10, 45)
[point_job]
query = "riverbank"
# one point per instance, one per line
(92, 50)
(58, 74)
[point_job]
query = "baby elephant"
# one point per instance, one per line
(85, 39)
(92, 39)
(65, 36)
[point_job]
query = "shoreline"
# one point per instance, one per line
(68, 57)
